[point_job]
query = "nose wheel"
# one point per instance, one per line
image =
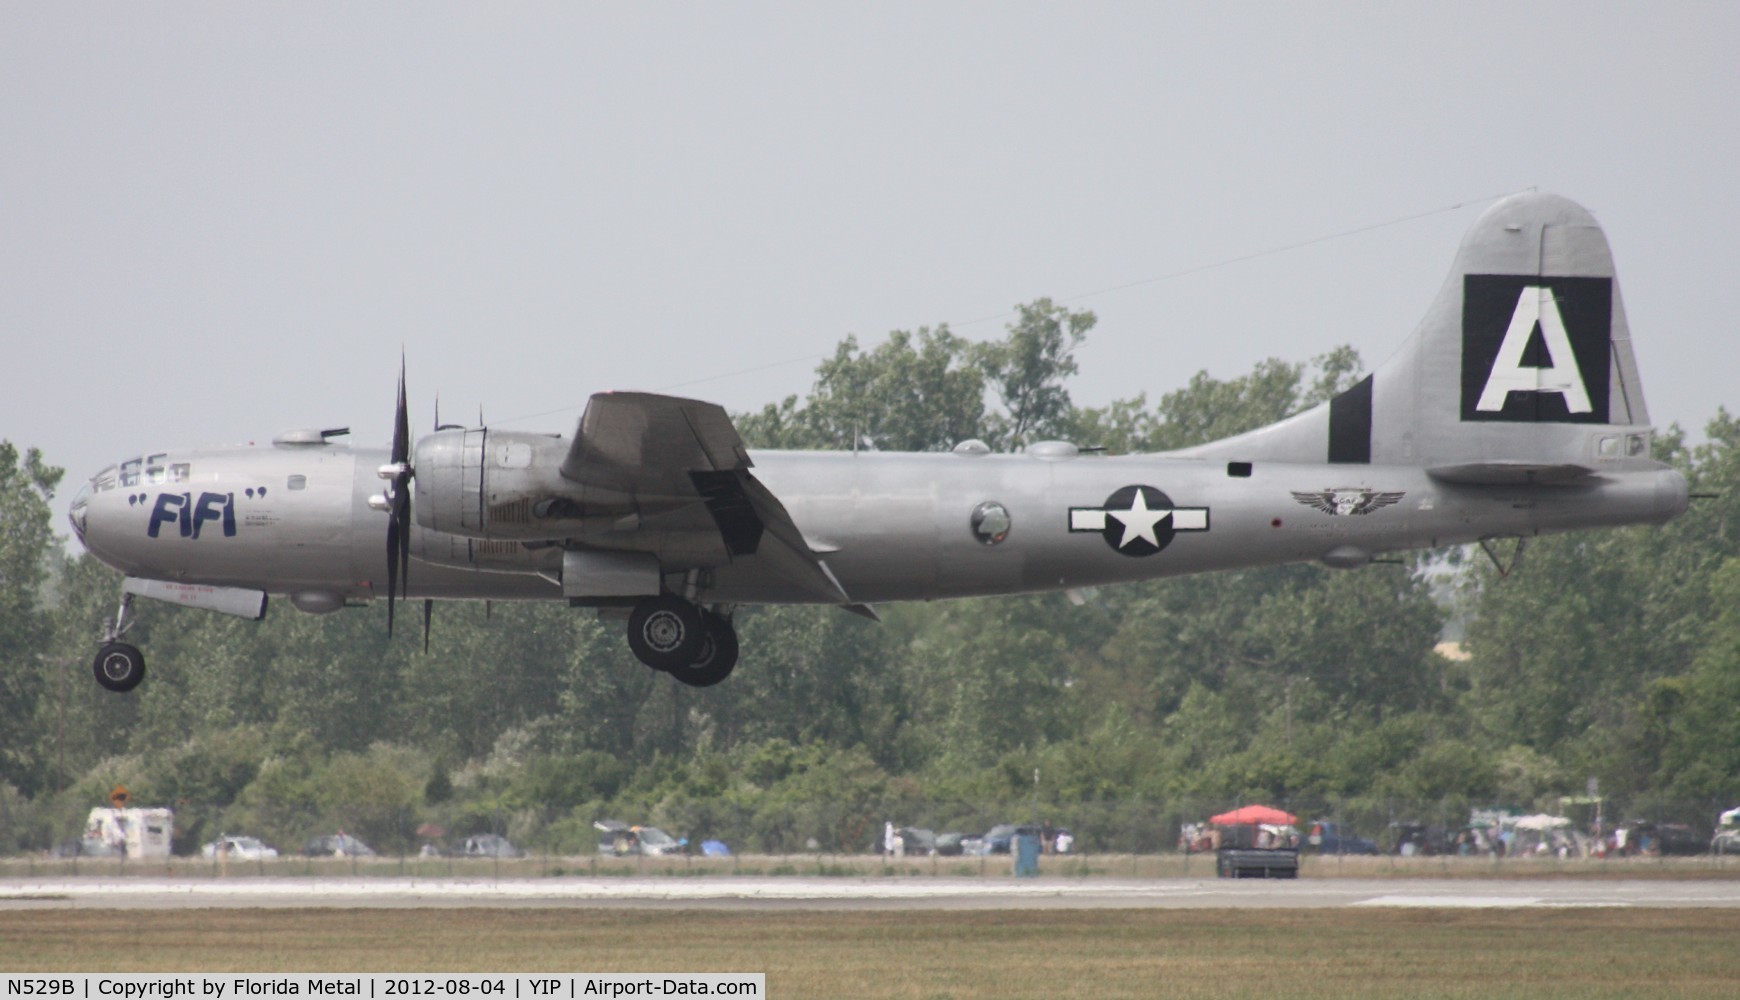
(119, 666)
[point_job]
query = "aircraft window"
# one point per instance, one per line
(104, 480)
(179, 473)
(1609, 447)
(298, 482)
(154, 470)
(130, 472)
(1637, 446)
(991, 522)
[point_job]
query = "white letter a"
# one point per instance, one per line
(1508, 374)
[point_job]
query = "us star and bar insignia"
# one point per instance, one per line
(1138, 520)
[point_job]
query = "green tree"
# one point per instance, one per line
(914, 392)
(1028, 369)
(27, 549)
(1699, 718)
(1208, 409)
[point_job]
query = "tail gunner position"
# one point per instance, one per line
(1514, 410)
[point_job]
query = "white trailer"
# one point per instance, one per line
(130, 833)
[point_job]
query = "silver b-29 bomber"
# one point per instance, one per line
(1514, 410)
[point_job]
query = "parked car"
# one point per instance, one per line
(997, 839)
(617, 837)
(951, 844)
(1726, 839)
(1679, 839)
(655, 842)
(489, 845)
(917, 841)
(1327, 837)
(1413, 839)
(1641, 837)
(337, 845)
(86, 847)
(239, 849)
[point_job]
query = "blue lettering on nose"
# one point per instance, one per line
(168, 509)
(191, 517)
(216, 507)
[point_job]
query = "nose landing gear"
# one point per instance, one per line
(669, 634)
(119, 666)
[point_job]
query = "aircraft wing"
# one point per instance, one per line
(647, 444)
(673, 452)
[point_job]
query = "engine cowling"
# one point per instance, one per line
(495, 484)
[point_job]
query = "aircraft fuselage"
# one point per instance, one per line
(893, 527)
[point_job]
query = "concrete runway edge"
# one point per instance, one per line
(733, 893)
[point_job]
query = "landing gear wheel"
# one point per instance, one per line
(718, 653)
(119, 667)
(665, 632)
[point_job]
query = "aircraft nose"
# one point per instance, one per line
(76, 513)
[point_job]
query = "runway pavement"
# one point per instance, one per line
(926, 893)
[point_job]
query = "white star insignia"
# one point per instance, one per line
(1139, 521)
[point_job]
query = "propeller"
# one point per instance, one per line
(397, 503)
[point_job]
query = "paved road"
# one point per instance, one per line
(858, 893)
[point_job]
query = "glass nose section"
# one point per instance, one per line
(76, 513)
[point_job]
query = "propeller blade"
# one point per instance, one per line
(402, 516)
(401, 422)
(392, 569)
(399, 510)
(428, 613)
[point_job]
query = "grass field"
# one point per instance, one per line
(1341, 954)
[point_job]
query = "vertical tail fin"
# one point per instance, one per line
(1522, 368)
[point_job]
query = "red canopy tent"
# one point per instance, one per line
(1255, 814)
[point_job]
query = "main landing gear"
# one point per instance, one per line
(119, 666)
(692, 644)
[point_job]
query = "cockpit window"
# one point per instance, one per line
(178, 473)
(130, 471)
(104, 480)
(154, 469)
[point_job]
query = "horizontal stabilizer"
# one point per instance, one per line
(1509, 474)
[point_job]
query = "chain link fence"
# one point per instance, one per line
(1120, 838)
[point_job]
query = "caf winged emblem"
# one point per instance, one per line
(1344, 501)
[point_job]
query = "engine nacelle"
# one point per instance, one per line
(495, 484)
(487, 555)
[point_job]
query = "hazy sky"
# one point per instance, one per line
(220, 221)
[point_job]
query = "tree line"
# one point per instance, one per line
(1611, 655)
